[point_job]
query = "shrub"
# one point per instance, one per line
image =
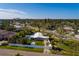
(18, 54)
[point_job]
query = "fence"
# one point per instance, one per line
(30, 46)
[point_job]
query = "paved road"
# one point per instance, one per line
(10, 52)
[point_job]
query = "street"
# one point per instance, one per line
(10, 52)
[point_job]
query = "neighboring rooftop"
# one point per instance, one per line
(6, 34)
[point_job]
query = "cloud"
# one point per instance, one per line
(12, 13)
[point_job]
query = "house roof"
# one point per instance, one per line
(68, 28)
(6, 34)
(39, 35)
(77, 36)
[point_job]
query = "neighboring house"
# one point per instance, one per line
(4, 35)
(68, 29)
(77, 36)
(78, 31)
(18, 25)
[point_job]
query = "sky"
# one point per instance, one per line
(39, 10)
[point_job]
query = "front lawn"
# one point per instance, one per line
(22, 48)
(40, 43)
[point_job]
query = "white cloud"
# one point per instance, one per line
(12, 13)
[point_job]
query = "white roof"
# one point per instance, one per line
(77, 30)
(38, 35)
(77, 36)
(68, 28)
(17, 26)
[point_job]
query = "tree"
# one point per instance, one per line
(5, 24)
(18, 54)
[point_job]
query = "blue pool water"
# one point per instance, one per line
(32, 46)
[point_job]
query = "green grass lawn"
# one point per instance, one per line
(40, 43)
(22, 48)
(67, 51)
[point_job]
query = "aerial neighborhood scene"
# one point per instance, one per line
(39, 29)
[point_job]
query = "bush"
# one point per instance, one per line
(18, 54)
(4, 44)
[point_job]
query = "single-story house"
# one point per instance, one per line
(4, 35)
(68, 29)
(38, 36)
(77, 36)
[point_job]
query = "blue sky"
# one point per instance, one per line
(40, 10)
